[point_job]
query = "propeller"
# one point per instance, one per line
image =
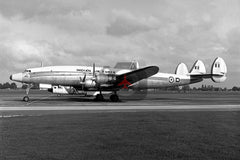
(83, 80)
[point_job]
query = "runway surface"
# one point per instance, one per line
(11, 100)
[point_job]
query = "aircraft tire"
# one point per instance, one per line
(26, 99)
(114, 98)
(99, 97)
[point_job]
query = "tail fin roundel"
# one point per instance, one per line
(219, 70)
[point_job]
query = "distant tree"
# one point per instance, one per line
(235, 88)
(194, 88)
(24, 86)
(13, 86)
(6, 85)
(172, 88)
(35, 86)
(186, 88)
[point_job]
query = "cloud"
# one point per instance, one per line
(156, 32)
(125, 23)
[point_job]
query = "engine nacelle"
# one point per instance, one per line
(90, 83)
(106, 79)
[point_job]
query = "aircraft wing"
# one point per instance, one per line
(137, 75)
(124, 82)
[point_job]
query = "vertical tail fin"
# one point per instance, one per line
(134, 65)
(127, 65)
(198, 68)
(181, 69)
(219, 70)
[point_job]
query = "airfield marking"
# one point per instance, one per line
(179, 107)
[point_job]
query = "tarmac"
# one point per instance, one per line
(11, 100)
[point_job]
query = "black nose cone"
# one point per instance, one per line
(11, 77)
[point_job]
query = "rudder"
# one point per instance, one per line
(219, 70)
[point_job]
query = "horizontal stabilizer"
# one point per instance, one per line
(218, 71)
(181, 69)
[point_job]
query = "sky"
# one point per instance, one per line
(153, 32)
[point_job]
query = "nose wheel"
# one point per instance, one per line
(26, 99)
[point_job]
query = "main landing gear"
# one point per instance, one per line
(99, 97)
(26, 98)
(114, 97)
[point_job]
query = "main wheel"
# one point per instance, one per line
(114, 98)
(26, 99)
(99, 97)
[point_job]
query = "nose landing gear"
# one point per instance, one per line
(26, 98)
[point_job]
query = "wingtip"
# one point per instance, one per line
(156, 68)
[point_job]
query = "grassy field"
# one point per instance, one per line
(122, 135)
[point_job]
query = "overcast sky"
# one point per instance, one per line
(154, 32)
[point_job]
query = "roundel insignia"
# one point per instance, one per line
(178, 79)
(171, 79)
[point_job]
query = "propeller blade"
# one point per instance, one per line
(93, 69)
(84, 78)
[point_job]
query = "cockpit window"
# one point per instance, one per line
(27, 70)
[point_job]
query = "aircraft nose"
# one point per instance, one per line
(10, 77)
(17, 77)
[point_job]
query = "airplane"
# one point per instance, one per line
(83, 79)
(104, 80)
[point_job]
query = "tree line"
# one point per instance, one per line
(13, 85)
(8, 85)
(202, 88)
